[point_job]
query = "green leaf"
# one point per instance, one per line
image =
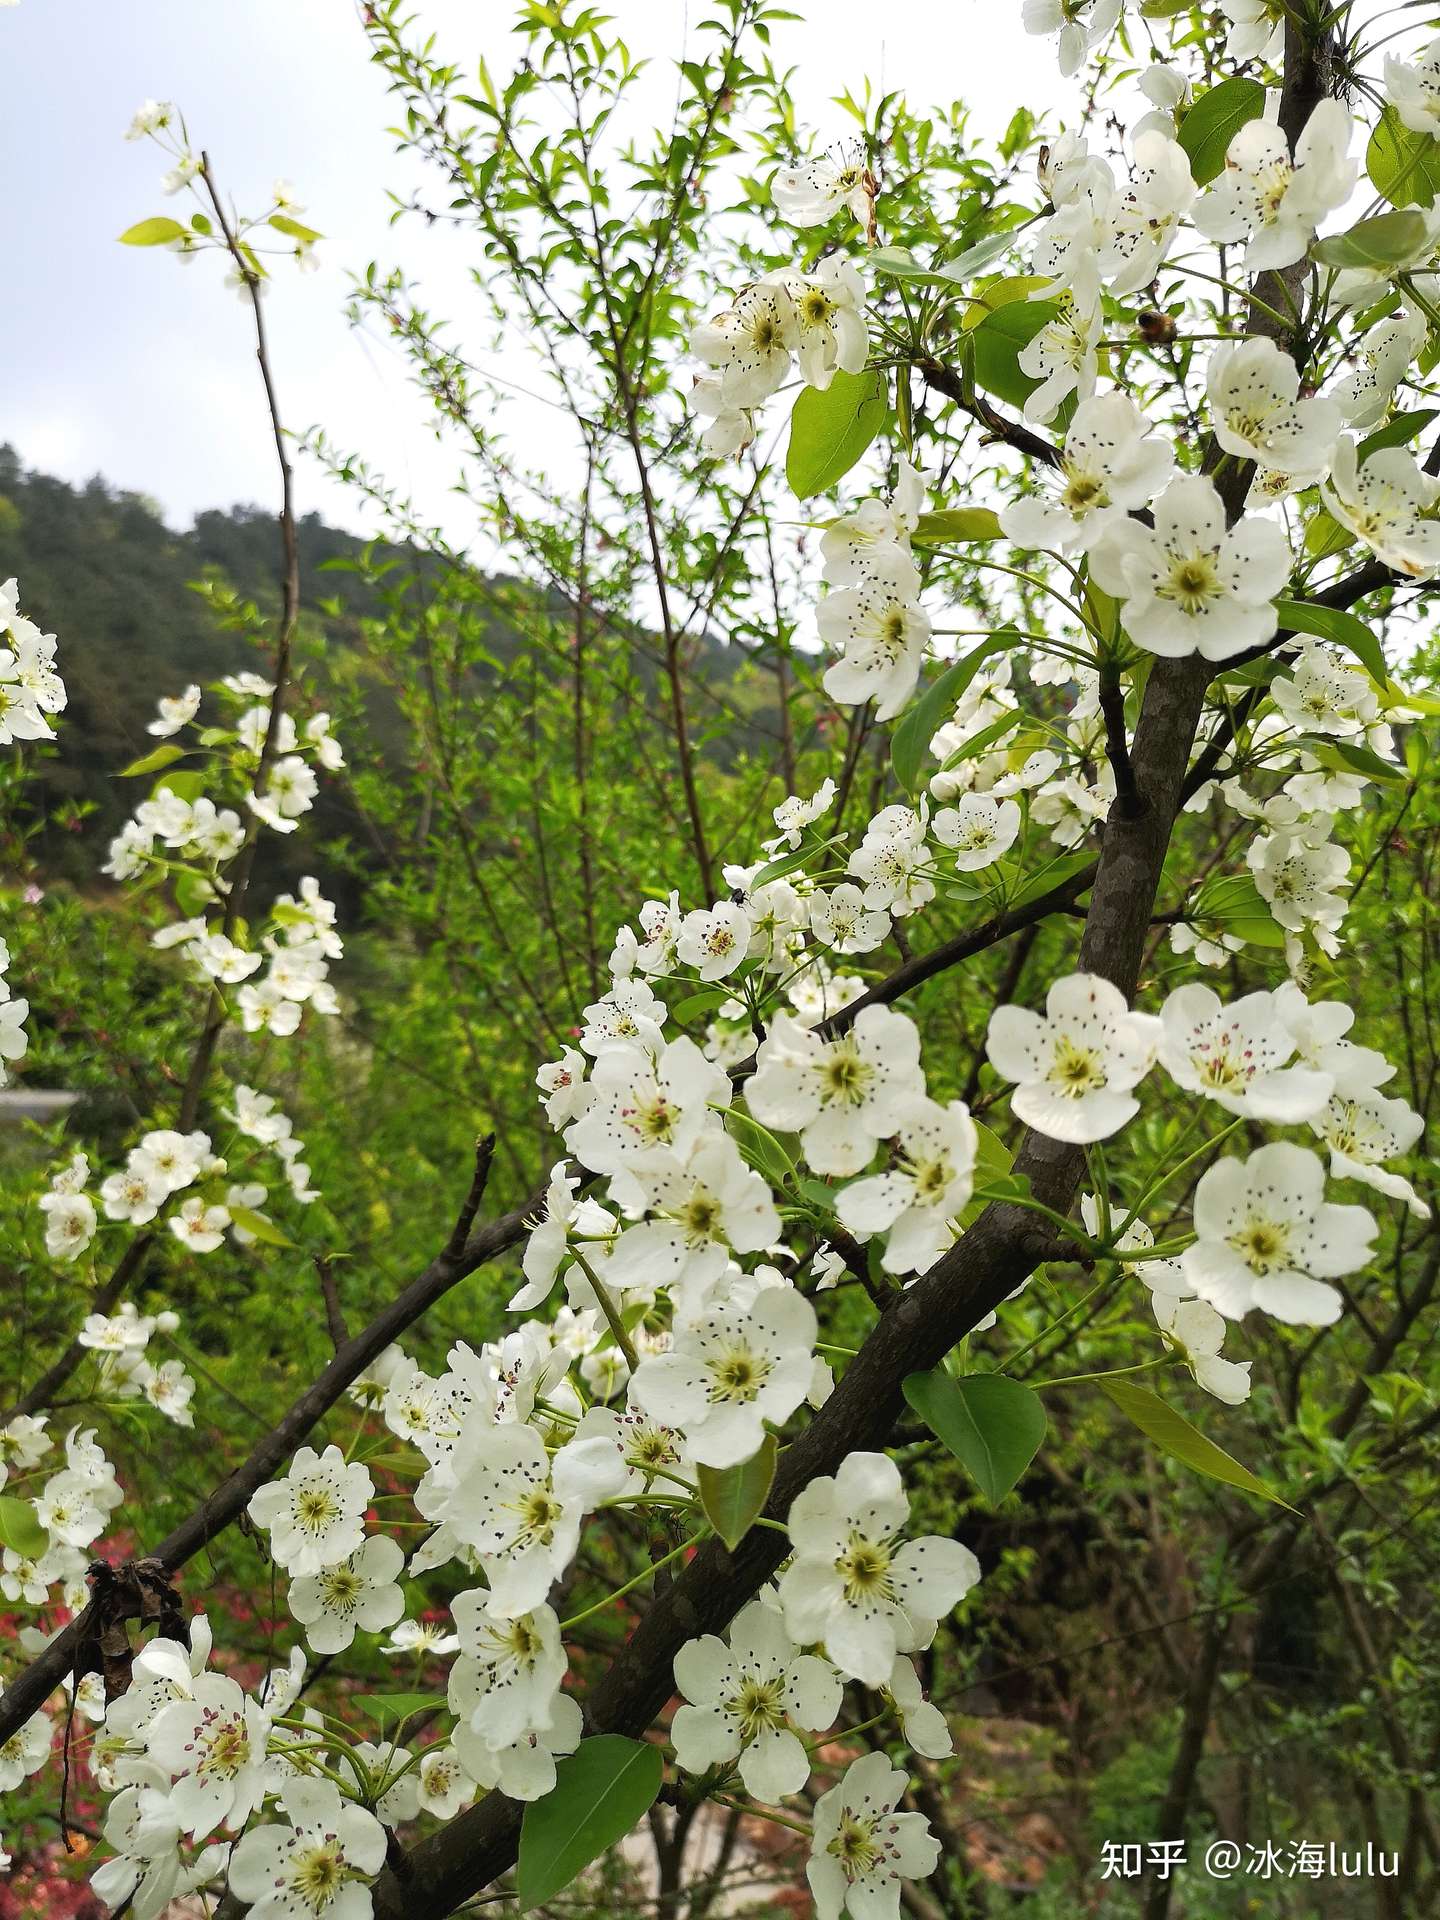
(1054, 875)
(998, 342)
(733, 1497)
(992, 1425)
(600, 1791)
(782, 864)
(1384, 241)
(830, 430)
(761, 1149)
(153, 761)
(900, 264)
(1174, 1435)
(152, 233)
(1325, 536)
(1404, 166)
(1395, 432)
(257, 1225)
(397, 1706)
(1339, 627)
(993, 1159)
(911, 740)
(956, 525)
(282, 223)
(1213, 122)
(705, 1001)
(1235, 906)
(1348, 756)
(19, 1528)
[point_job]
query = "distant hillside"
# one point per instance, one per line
(100, 568)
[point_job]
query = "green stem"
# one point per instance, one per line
(639, 1580)
(609, 1309)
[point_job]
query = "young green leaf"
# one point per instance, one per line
(1174, 1435)
(732, 1497)
(156, 232)
(600, 1791)
(830, 430)
(1213, 122)
(396, 1706)
(911, 740)
(1342, 628)
(153, 761)
(1385, 241)
(258, 1227)
(761, 1149)
(1403, 166)
(20, 1530)
(956, 526)
(992, 1425)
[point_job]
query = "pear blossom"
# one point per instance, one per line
(170, 1389)
(1252, 387)
(730, 1371)
(1237, 1056)
(1386, 357)
(793, 815)
(628, 1015)
(729, 429)
(498, 1492)
(1324, 693)
(176, 712)
(1190, 583)
(317, 1865)
(1273, 202)
(808, 195)
(874, 538)
(925, 1727)
(506, 1682)
(742, 1702)
(715, 940)
(163, 1671)
(1070, 244)
(642, 1445)
(443, 1784)
(421, 1637)
(315, 1515)
(1080, 28)
(841, 1095)
(25, 1752)
(566, 1091)
(1195, 1332)
(215, 1742)
(359, 1591)
(1268, 1238)
(524, 1770)
(640, 1104)
(198, 1226)
(1383, 502)
(1146, 216)
(1413, 89)
(827, 320)
(979, 829)
(1110, 464)
(1074, 1065)
(894, 862)
(880, 633)
(149, 1871)
(70, 1223)
(1362, 1131)
(919, 1196)
(709, 1204)
(749, 344)
(841, 920)
(1298, 872)
(1063, 356)
(852, 1582)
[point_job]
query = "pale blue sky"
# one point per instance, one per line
(125, 362)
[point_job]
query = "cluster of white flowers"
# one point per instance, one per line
(30, 691)
(816, 318)
(714, 1189)
(277, 229)
(73, 1505)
